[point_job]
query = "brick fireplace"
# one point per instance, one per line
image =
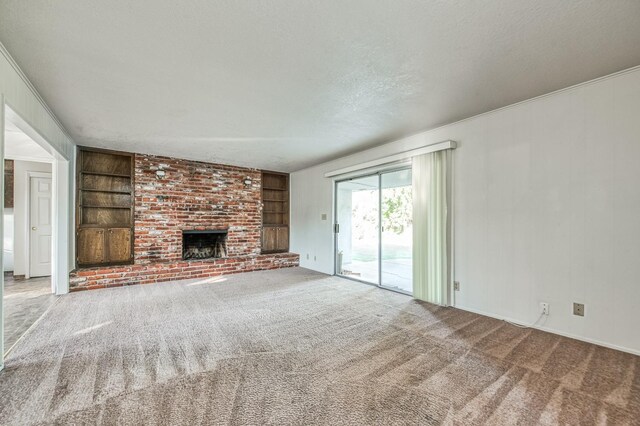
(207, 244)
(193, 199)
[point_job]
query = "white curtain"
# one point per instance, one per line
(431, 227)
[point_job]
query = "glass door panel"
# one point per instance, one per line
(358, 233)
(397, 232)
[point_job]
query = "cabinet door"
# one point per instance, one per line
(90, 246)
(118, 245)
(282, 238)
(269, 238)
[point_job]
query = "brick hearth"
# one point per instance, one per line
(89, 279)
(192, 196)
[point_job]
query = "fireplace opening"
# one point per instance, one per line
(204, 244)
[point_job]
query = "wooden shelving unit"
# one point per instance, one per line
(105, 208)
(275, 212)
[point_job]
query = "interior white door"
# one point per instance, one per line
(40, 226)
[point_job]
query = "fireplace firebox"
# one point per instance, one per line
(208, 244)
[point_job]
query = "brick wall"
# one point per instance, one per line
(191, 196)
(197, 196)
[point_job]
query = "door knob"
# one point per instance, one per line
(33, 228)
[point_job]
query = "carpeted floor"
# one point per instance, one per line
(295, 347)
(24, 303)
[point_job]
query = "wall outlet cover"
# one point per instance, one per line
(578, 309)
(544, 308)
(456, 285)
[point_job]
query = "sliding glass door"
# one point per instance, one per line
(397, 232)
(373, 229)
(358, 228)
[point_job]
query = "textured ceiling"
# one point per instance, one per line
(285, 84)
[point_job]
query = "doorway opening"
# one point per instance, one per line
(28, 225)
(374, 229)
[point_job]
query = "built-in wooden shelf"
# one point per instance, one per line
(114, 225)
(104, 208)
(275, 213)
(109, 191)
(106, 174)
(88, 206)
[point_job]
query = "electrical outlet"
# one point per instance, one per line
(307, 256)
(456, 285)
(544, 308)
(323, 216)
(578, 309)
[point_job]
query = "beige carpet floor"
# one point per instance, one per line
(293, 347)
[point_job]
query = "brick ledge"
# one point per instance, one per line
(119, 276)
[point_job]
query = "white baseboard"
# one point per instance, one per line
(553, 331)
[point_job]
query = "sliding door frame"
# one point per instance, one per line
(379, 174)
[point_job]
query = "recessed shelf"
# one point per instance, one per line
(106, 174)
(109, 191)
(87, 206)
(99, 226)
(105, 202)
(275, 213)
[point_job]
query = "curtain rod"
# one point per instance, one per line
(393, 158)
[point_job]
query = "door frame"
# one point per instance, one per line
(30, 175)
(62, 198)
(378, 173)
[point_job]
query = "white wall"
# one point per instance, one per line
(20, 207)
(7, 245)
(546, 208)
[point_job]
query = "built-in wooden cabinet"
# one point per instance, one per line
(90, 246)
(105, 208)
(118, 244)
(275, 212)
(275, 239)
